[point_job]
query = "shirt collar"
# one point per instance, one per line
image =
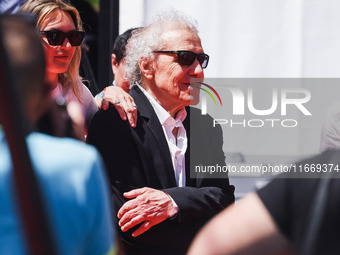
(161, 113)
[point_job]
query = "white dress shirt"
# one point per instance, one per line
(177, 146)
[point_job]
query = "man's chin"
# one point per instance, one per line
(194, 100)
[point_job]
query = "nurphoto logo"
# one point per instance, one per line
(275, 107)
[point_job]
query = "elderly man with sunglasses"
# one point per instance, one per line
(159, 206)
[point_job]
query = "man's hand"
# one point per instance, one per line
(123, 102)
(148, 205)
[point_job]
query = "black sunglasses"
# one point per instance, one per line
(187, 58)
(56, 37)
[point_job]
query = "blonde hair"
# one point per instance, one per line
(42, 8)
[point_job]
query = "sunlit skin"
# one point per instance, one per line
(169, 82)
(119, 72)
(58, 58)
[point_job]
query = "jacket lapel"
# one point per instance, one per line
(193, 118)
(166, 176)
(186, 124)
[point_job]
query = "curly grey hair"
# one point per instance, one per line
(148, 39)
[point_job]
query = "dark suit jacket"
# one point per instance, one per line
(140, 157)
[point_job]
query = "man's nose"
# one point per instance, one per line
(196, 69)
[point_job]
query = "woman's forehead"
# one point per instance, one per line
(57, 19)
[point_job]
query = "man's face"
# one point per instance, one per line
(171, 81)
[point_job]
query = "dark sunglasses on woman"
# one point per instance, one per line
(56, 37)
(187, 58)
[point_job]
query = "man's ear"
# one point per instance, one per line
(114, 63)
(146, 68)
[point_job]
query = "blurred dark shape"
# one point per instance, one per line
(89, 60)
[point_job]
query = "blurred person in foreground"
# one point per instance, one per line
(70, 173)
(10, 6)
(158, 204)
(295, 215)
(62, 35)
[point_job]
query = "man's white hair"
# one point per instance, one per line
(148, 39)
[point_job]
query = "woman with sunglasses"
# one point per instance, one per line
(61, 32)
